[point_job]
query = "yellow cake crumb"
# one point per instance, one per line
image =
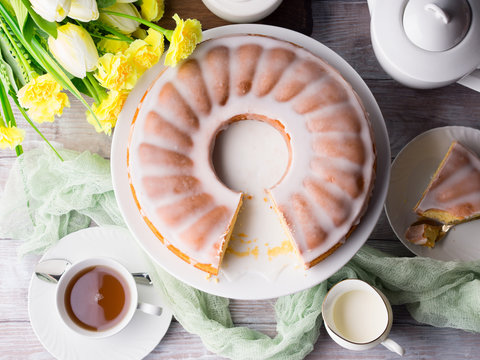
(242, 235)
(285, 248)
(254, 252)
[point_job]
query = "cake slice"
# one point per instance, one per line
(453, 194)
(425, 234)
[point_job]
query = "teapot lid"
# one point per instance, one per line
(417, 49)
(436, 25)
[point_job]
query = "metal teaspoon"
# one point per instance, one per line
(51, 270)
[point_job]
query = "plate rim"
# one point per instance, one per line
(166, 317)
(416, 249)
(341, 256)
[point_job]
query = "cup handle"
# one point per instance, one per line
(150, 309)
(472, 80)
(393, 346)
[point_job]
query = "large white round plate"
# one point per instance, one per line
(136, 340)
(259, 268)
(411, 173)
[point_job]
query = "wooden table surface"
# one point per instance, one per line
(344, 27)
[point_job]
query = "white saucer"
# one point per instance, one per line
(135, 341)
(250, 274)
(411, 173)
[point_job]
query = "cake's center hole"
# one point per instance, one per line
(250, 156)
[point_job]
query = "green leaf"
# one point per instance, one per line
(21, 12)
(105, 3)
(48, 27)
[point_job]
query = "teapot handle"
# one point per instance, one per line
(471, 80)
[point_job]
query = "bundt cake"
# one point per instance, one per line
(328, 182)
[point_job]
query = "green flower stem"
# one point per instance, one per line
(167, 33)
(110, 38)
(115, 32)
(8, 114)
(27, 118)
(91, 90)
(99, 90)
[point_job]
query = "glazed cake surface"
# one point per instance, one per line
(453, 194)
(331, 170)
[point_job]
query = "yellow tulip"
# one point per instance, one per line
(116, 72)
(10, 136)
(84, 10)
(125, 26)
(185, 37)
(74, 49)
(43, 98)
(152, 10)
(107, 112)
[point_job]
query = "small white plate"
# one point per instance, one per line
(272, 272)
(411, 173)
(135, 341)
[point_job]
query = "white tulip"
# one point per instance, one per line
(84, 10)
(124, 25)
(74, 49)
(51, 10)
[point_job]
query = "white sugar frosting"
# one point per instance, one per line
(295, 126)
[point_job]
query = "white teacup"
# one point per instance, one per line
(79, 303)
(357, 316)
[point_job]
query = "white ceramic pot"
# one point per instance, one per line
(427, 43)
(242, 11)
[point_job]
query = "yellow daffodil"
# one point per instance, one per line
(112, 46)
(107, 112)
(185, 37)
(10, 136)
(74, 49)
(84, 10)
(51, 10)
(146, 53)
(125, 26)
(152, 10)
(116, 72)
(43, 98)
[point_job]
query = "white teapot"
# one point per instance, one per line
(428, 43)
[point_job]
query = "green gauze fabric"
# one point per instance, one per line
(45, 199)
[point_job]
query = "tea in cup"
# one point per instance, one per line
(98, 297)
(357, 316)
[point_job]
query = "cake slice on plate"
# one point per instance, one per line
(453, 194)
